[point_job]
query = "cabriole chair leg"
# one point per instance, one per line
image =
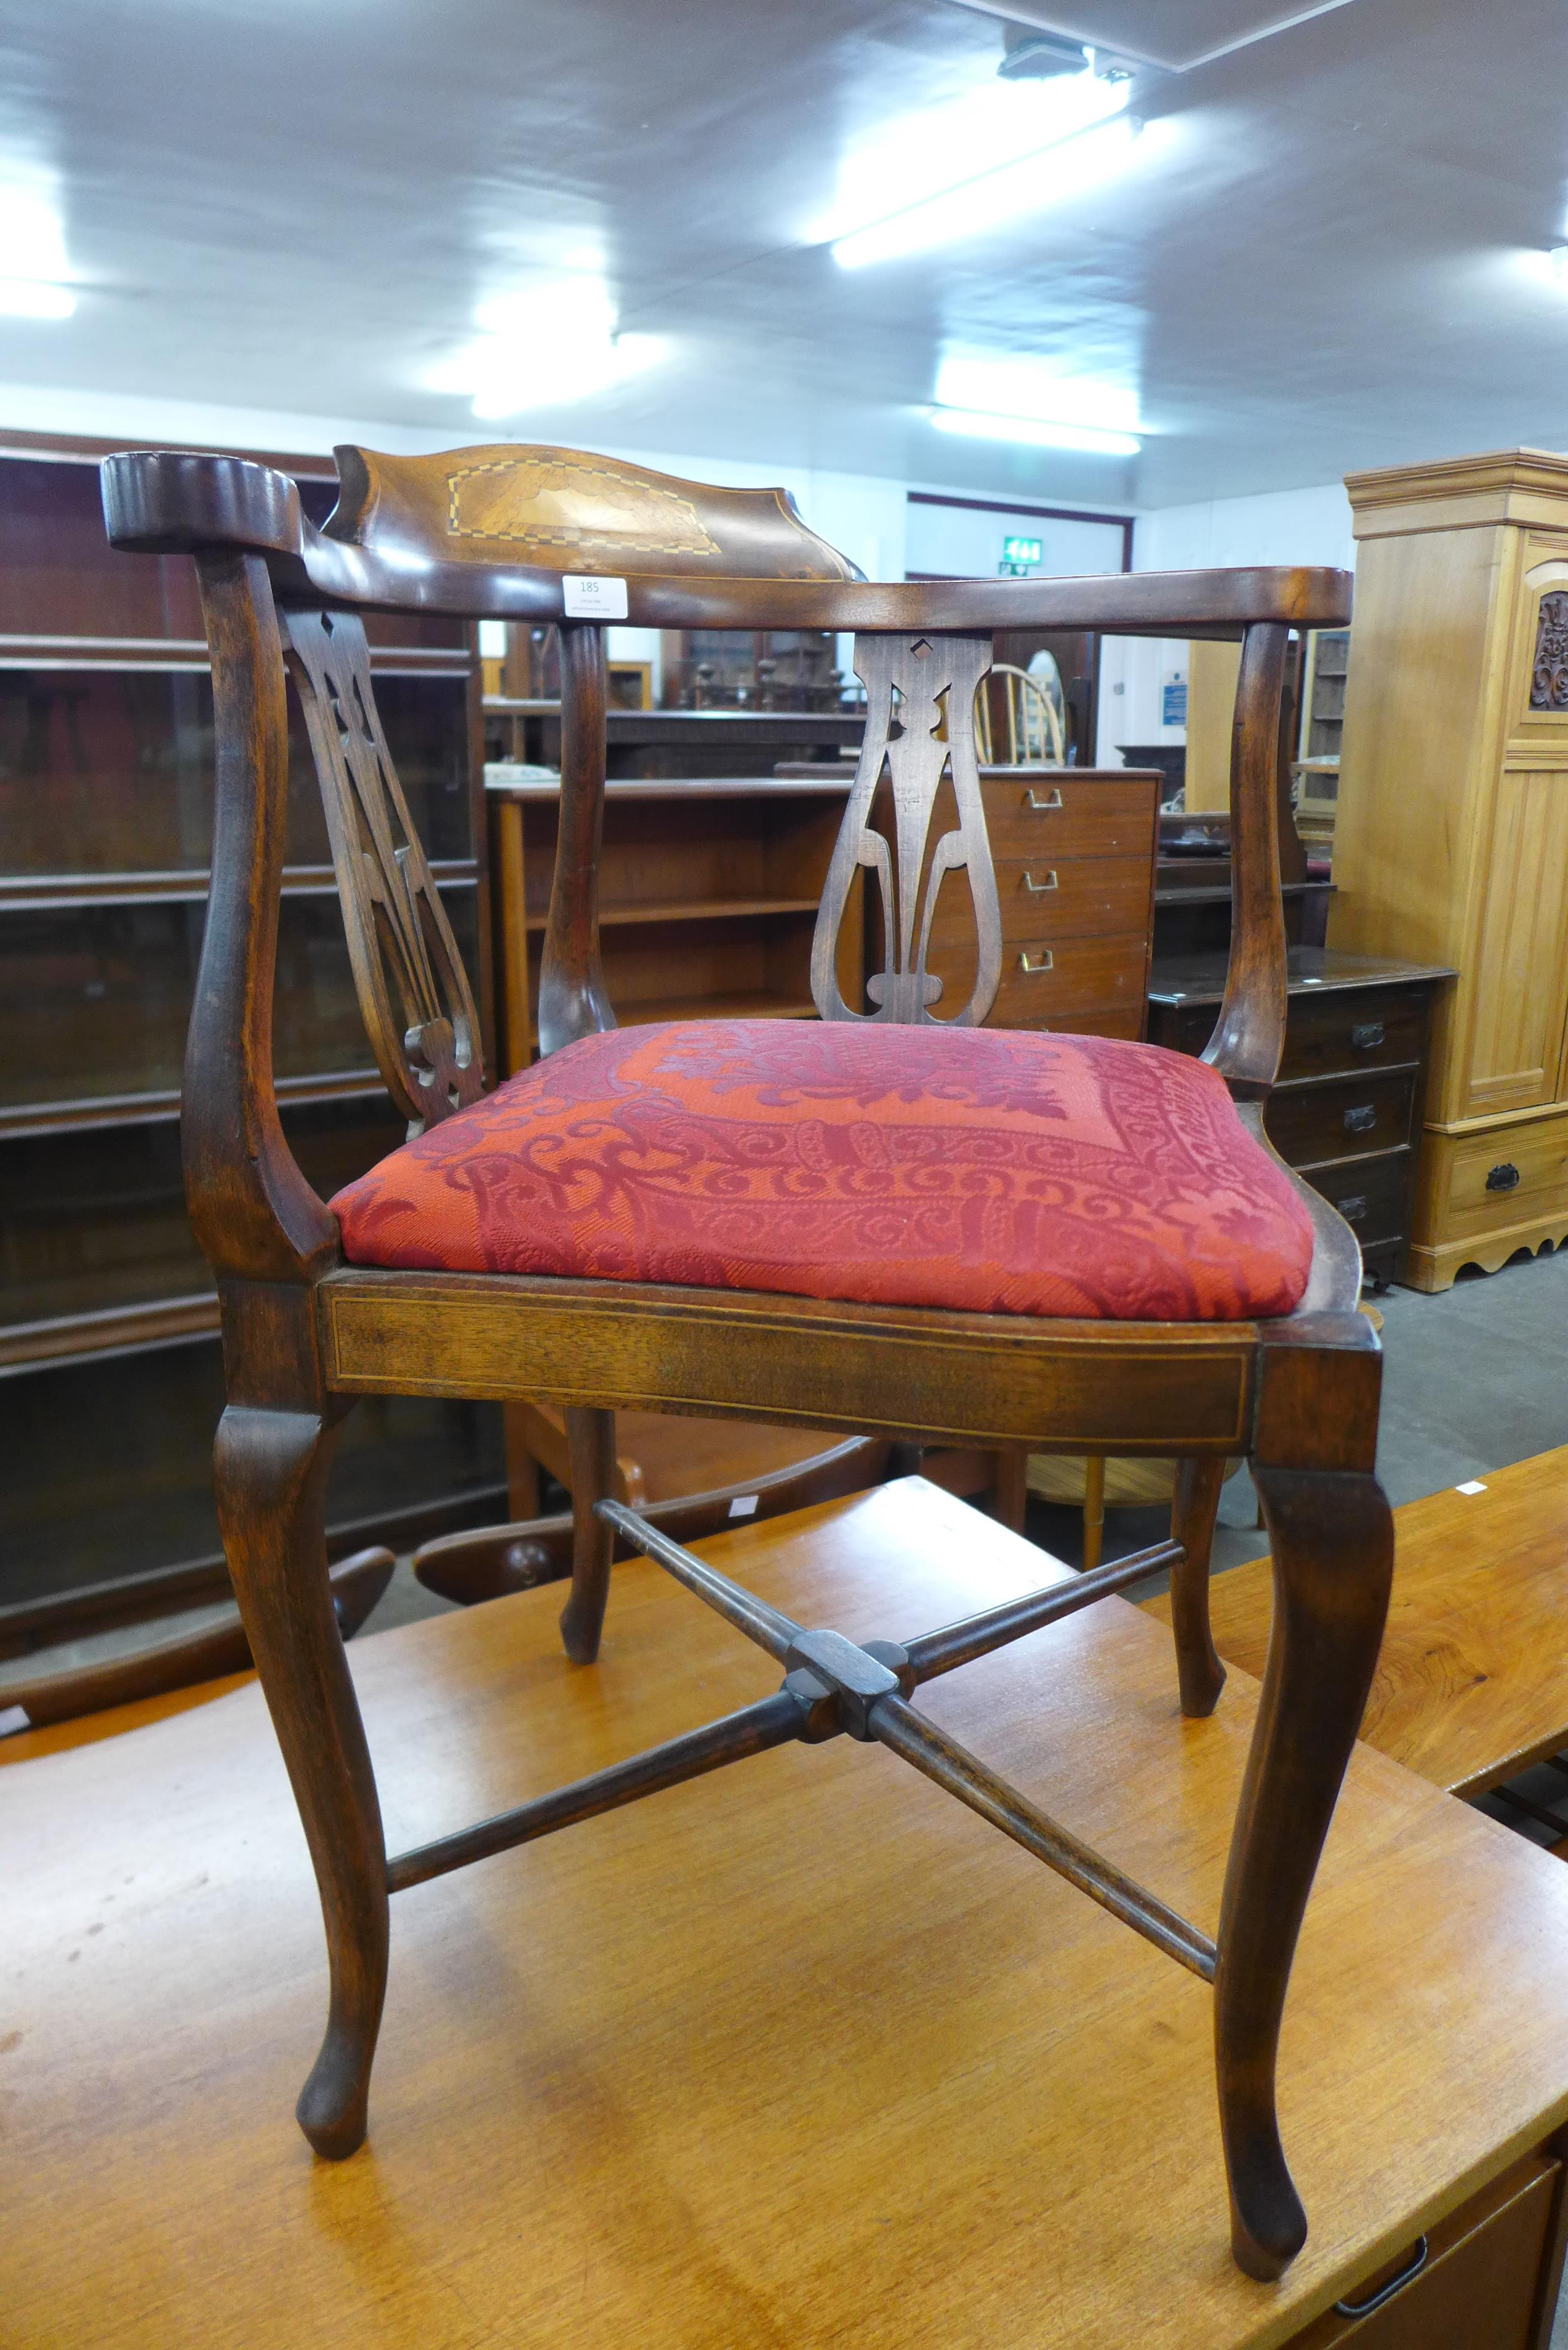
(1200, 1672)
(1333, 1537)
(270, 1472)
(590, 1447)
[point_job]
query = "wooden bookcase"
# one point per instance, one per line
(708, 898)
(108, 1317)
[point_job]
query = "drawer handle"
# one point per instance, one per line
(1504, 1179)
(1053, 798)
(1353, 1210)
(1368, 1036)
(1045, 963)
(1408, 2275)
(1361, 1120)
(1038, 889)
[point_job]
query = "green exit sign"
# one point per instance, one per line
(1020, 551)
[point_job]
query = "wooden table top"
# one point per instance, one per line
(1473, 1681)
(803, 2054)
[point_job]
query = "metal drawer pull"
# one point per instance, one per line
(1407, 2275)
(1361, 1120)
(1044, 963)
(1053, 798)
(1504, 1179)
(1038, 889)
(1368, 1038)
(1354, 1208)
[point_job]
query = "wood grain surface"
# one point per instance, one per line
(804, 2054)
(1472, 1680)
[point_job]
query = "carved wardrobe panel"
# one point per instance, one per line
(917, 690)
(408, 973)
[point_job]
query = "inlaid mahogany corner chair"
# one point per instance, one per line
(893, 1221)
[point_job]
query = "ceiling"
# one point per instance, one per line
(1327, 253)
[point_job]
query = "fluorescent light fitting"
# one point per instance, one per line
(30, 297)
(1053, 174)
(910, 158)
(1035, 432)
(1558, 257)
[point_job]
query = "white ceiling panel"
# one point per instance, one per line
(1327, 249)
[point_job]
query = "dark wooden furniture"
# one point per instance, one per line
(109, 1316)
(1193, 910)
(611, 2013)
(1345, 1107)
(761, 669)
(660, 745)
(479, 531)
(31, 1700)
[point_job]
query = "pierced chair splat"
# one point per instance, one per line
(912, 686)
(894, 1223)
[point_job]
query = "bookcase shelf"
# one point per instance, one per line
(106, 765)
(710, 887)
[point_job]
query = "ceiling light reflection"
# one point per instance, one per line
(1035, 432)
(32, 262)
(29, 298)
(541, 346)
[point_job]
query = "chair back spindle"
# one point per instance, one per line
(413, 991)
(913, 684)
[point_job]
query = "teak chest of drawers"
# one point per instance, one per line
(1074, 851)
(1350, 1086)
(1075, 855)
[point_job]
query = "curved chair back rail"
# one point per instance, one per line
(506, 532)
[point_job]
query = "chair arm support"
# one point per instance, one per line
(572, 998)
(254, 1215)
(1250, 1034)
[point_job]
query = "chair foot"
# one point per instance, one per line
(334, 2104)
(590, 1443)
(1333, 1537)
(1200, 1673)
(270, 1476)
(1268, 2221)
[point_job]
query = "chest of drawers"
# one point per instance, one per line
(1075, 855)
(1345, 1107)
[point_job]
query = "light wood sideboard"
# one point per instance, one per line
(1452, 833)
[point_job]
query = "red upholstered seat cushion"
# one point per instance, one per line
(999, 1170)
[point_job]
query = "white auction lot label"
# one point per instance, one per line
(584, 599)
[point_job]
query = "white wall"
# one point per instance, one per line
(1311, 525)
(965, 541)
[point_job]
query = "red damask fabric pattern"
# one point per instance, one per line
(997, 1170)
